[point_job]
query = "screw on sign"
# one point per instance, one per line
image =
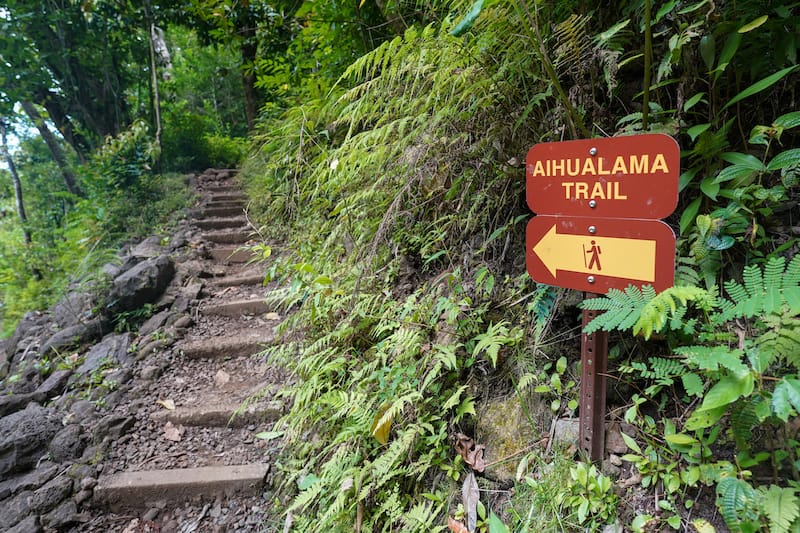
(598, 203)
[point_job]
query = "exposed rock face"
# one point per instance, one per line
(113, 349)
(74, 335)
(505, 427)
(24, 437)
(141, 284)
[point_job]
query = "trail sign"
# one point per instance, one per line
(597, 254)
(619, 177)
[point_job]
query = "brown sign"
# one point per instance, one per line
(597, 254)
(620, 177)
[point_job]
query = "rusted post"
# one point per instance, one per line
(592, 405)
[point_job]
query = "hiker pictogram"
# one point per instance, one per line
(594, 251)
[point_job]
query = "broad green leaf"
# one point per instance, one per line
(689, 214)
(788, 121)
(496, 525)
(612, 31)
(728, 51)
(761, 85)
(710, 187)
(666, 8)
(630, 443)
(786, 399)
(704, 419)
(787, 159)
(691, 102)
(744, 160)
(719, 242)
(734, 172)
(681, 439)
(686, 178)
(694, 131)
(750, 26)
(466, 23)
(708, 50)
(728, 390)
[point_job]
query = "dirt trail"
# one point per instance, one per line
(191, 461)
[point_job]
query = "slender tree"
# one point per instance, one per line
(55, 148)
(23, 217)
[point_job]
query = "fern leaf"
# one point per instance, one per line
(735, 499)
(781, 507)
(713, 357)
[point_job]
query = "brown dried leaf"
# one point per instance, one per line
(470, 496)
(470, 452)
(455, 526)
(172, 432)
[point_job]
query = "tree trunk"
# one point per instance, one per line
(154, 78)
(55, 108)
(55, 149)
(249, 50)
(23, 217)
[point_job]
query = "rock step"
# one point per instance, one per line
(222, 189)
(223, 211)
(237, 344)
(231, 254)
(241, 280)
(221, 223)
(227, 197)
(137, 490)
(228, 237)
(221, 415)
(253, 306)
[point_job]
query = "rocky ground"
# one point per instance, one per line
(156, 428)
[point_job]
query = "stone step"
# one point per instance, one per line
(227, 197)
(232, 254)
(138, 490)
(236, 344)
(228, 237)
(252, 306)
(221, 223)
(241, 280)
(222, 211)
(221, 415)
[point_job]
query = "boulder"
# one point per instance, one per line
(49, 495)
(29, 481)
(141, 284)
(113, 350)
(27, 525)
(72, 309)
(150, 247)
(112, 270)
(154, 323)
(68, 444)
(15, 510)
(506, 428)
(61, 516)
(24, 437)
(73, 336)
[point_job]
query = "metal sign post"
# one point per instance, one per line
(592, 403)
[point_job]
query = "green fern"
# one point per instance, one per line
(643, 310)
(782, 508)
(764, 292)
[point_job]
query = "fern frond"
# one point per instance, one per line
(713, 358)
(782, 507)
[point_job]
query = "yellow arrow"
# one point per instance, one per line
(606, 256)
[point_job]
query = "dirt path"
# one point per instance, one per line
(191, 460)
